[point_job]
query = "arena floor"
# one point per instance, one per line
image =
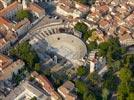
(66, 45)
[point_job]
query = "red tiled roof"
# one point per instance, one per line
(8, 8)
(82, 7)
(36, 8)
(130, 19)
(46, 85)
(104, 8)
(6, 22)
(66, 89)
(4, 60)
(103, 22)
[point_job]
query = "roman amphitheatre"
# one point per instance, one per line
(67, 46)
(51, 40)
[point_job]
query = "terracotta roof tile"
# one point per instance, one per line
(104, 23)
(103, 8)
(8, 71)
(6, 22)
(46, 85)
(9, 8)
(36, 8)
(4, 60)
(66, 89)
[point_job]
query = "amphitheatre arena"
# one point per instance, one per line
(67, 46)
(57, 40)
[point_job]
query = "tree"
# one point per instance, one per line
(125, 74)
(81, 71)
(110, 82)
(109, 56)
(86, 35)
(22, 14)
(111, 47)
(103, 48)
(81, 87)
(131, 85)
(128, 59)
(34, 98)
(92, 45)
(16, 78)
(123, 88)
(120, 97)
(89, 96)
(80, 26)
(124, 91)
(116, 49)
(94, 78)
(130, 96)
(83, 28)
(126, 85)
(105, 94)
(116, 65)
(23, 51)
(58, 79)
(37, 67)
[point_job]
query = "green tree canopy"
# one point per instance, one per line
(126, 85)
(116, 65)
(105, 93)
(94, 78)
(34, 98)
(124, 91)
(24, 52)
(37, 67)
(83, 28)
(103, 48)
(81, 71)
(128, 59)
(80, 26)
(23, 14)
(125, 74)
(112, 50)
(112, 45)
(81, 87)
(89, 96)
(92, 45)
(130, 96)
